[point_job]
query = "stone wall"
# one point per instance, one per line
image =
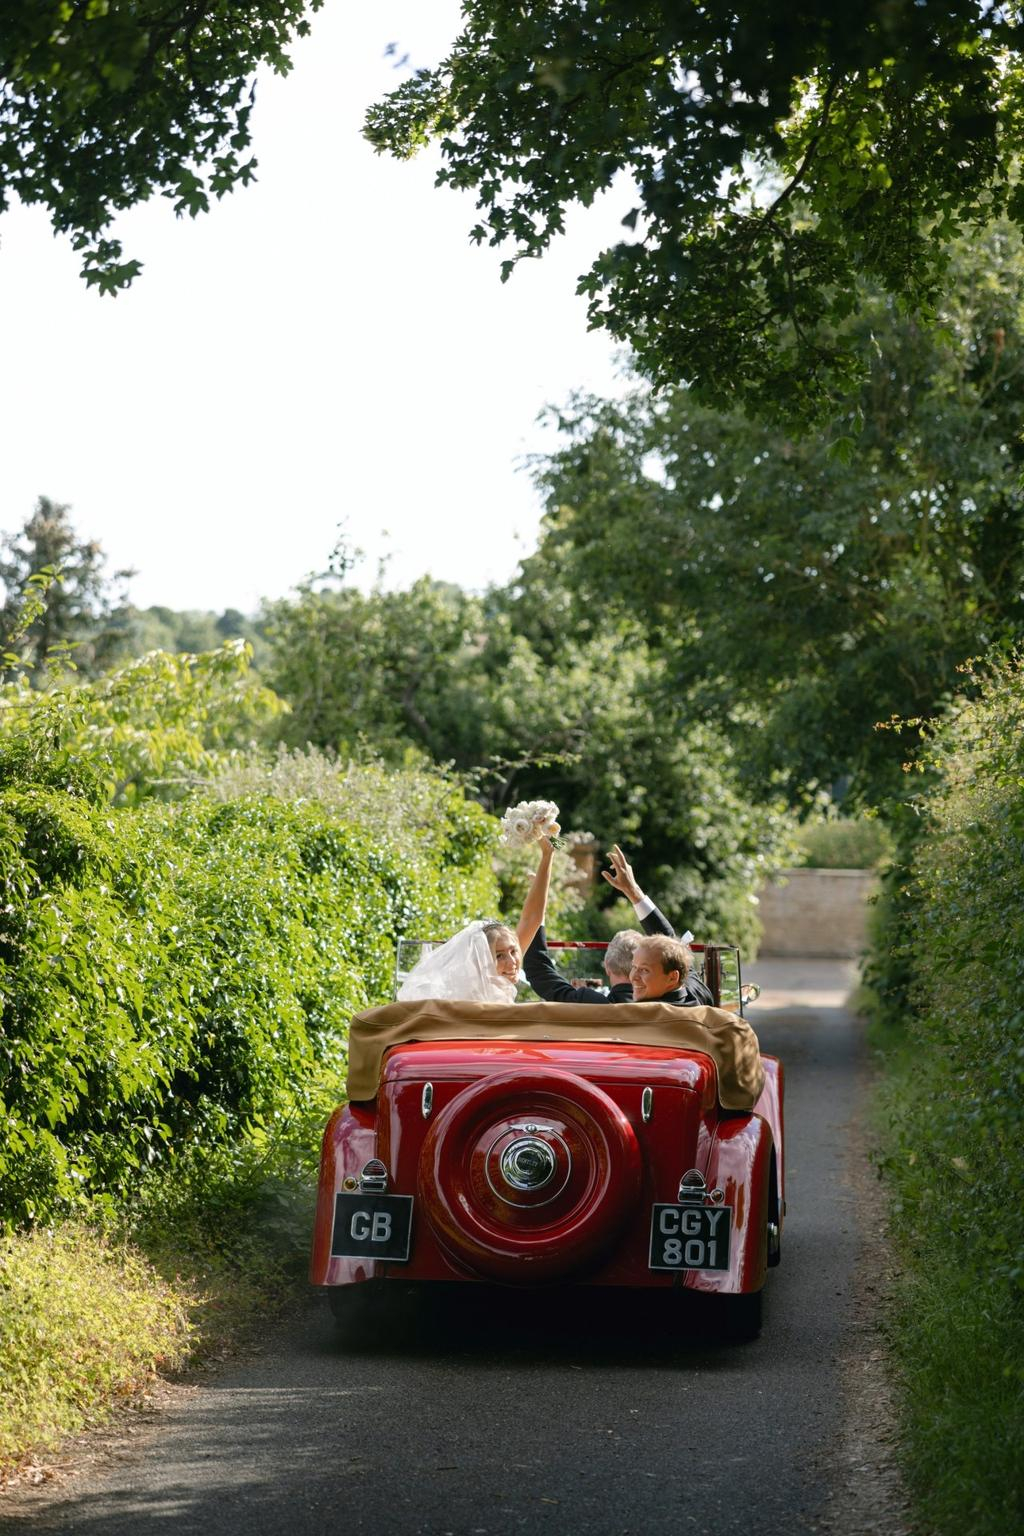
(816, 912)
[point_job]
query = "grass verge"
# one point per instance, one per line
(956, 1331)
(89, 1312)
(84, 1323)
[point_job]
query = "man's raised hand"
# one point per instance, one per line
(621, 876)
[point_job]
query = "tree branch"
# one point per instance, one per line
(810, 152)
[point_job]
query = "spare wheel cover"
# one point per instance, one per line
(526, 1176)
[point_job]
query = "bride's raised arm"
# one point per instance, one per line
(535, 905)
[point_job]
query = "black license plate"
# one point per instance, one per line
(372, 1227)
(690, 1236)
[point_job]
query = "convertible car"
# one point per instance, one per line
(634, 1145)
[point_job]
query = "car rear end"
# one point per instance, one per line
(528, 1164)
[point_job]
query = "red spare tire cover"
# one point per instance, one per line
(528, 1176)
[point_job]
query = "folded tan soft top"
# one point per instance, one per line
(724, 1036)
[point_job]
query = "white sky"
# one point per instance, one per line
(325, 345)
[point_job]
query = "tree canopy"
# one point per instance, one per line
(777, 150)
(790, 590)
(592, 722)
(106, 102)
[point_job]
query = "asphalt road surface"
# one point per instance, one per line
(500, 1412)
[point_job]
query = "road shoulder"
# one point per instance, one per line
(868, 1497)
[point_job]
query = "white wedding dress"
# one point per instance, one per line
(461, 970)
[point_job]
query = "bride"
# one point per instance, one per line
(481, 963)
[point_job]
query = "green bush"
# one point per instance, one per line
(845, 843)
(187, 926)
(952, 935)
(153, 728)
(178, 974)
(410, 804)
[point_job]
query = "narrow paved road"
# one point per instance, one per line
(501, 1415)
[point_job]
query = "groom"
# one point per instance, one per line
(544, 977)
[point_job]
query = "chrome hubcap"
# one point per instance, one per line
(528, 1163)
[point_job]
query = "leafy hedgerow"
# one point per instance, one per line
(172, 972)
(952, 944)
(176, 973)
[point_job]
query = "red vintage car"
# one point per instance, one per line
(635, 1145)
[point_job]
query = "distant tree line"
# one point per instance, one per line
(87, 619)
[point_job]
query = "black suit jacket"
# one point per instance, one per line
(693, 995)
(548, 982)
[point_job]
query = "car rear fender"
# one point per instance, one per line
(740, 1164)
(350, 1141)
(770, 1107)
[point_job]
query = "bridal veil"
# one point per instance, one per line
(461, 970)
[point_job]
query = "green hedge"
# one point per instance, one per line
(178, 973)
(951, 941)
(841, 842)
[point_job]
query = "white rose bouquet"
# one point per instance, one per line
(528, 822)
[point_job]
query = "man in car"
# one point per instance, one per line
(661, 970)
(544, 977)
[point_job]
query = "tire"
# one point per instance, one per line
(741, 1317)
(364, 1313)
(774, 1218)
(512, 1233)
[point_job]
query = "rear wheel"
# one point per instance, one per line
(364, 1313)
(742, 1316)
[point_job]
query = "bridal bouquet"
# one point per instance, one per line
(528, 822)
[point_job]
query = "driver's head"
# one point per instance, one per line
(618, 957)
(660, 965)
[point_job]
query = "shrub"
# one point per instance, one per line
(954, 1155)
(174, 974)
(412, 805)
(152, 727)
(845, 843)
(187, 926)
(966, 928)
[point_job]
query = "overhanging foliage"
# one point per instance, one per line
(777, 152)
(807, 586)
(105, 102)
